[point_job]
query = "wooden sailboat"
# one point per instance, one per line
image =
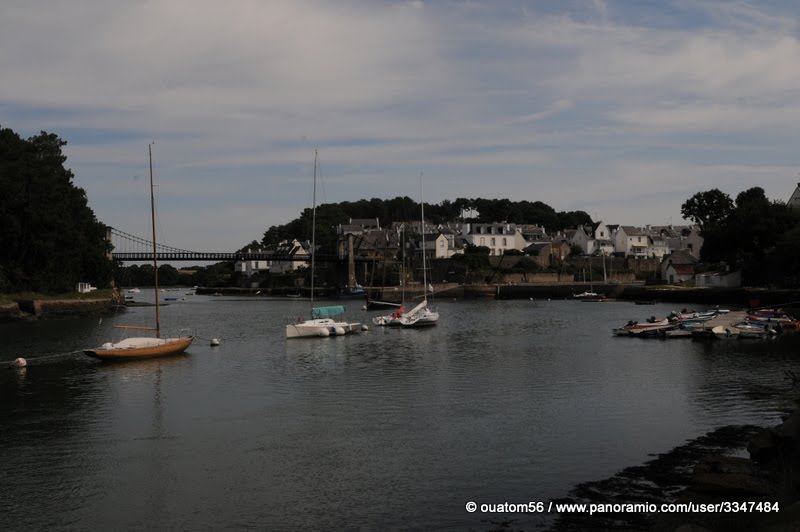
(149, 346)
(322, 322)
(422, 315)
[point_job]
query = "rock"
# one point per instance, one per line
(763, 447)
(790, 429)
(730, 477)
(788, 520)
(691, 527)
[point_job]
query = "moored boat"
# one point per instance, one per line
(145, 347)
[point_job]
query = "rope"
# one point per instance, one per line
(36, 360)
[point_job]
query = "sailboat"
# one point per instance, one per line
(393, 319)
(421, 315)
(149, 346)
(322, 322)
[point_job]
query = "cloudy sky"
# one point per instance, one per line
(623, 109)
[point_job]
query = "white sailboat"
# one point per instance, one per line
(322, 322)
(422, 315)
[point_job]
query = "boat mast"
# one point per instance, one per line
(153, 223)
(313, 226)
(424, 267)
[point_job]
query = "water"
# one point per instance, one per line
(388, 430)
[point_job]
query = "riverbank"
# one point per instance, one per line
(37, 306)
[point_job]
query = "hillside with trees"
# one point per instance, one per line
(49, 237)
(404, 209)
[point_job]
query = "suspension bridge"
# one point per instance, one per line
(131, 248)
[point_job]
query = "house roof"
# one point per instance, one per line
(683, 269)
(537, 248)
(632, 231)
(680, 257)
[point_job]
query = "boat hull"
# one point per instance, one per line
(139, 348)
(321, 328)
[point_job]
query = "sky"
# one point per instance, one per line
(622, 109)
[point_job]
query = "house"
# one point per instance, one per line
(678, 267)
(631, 242)
(582, 238)
(436, 246)
(540, 252)
(296, 253)
(719, 279)
(252, 267)
(532, 233)
(604, 237)
(659, 247)
(359, 226)
(559, 250)
(794, 199)
(498, 237)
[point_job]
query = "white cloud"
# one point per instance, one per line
(577, 104)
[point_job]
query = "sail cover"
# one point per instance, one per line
(326, 312)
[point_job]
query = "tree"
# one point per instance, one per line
(49, 237)
(708, 209)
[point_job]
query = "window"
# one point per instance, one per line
(505, 242)
(492, 241)
(441, 243)
(483, 241)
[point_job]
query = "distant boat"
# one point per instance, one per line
(134, 291)
(634, 328)
(145, 347)
(421, 315)
(321, 323)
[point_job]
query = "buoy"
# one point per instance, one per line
(324, 332)
(20, 362)
(364, 307)
(364, 327)
(214, 342)
(339, 331)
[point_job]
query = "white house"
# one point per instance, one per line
(436, 246)
(583, 239)
(719, 279)
(293, 249)
(498, 237)
(604, 237)
(251, 267)
(631, 242)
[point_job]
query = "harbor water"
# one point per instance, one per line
(391, 429)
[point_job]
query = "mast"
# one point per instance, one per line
(424, 267)
(313, 227)
(153, 223)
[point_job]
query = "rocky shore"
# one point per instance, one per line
(704, 471)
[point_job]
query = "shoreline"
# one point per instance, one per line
(709, 469)
(31, 309)
(44, 308)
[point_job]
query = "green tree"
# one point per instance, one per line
(708, 209)
(49, 237)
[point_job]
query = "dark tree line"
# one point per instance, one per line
(404, 209)
(758, 236)
(49, 237)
